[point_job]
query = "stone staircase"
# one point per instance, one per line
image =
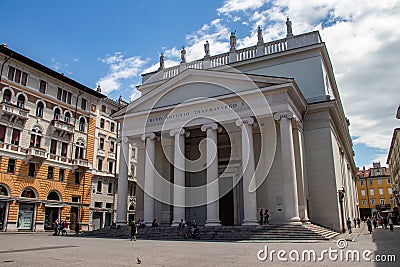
(219, 233)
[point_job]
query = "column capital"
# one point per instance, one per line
(150, 136)
(248, 121)
(286, 114)
(212, 126)
(181, 131)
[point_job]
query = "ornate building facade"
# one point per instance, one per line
(221, 137)
(394, 162)
(47, 128)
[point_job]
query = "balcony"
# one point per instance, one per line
(101, 153)
(62, 126)
(36, 154)
(111, 155)
(13, 111)
(81, 165)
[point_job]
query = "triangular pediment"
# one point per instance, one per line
(193, 84)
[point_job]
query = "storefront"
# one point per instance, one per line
(4, 204)
(27, 210)
(52, 210)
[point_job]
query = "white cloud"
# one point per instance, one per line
(362, 39)
(240, 5)
(121, 68)
(60, 67)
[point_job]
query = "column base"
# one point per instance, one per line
(294, 221)
(213, 223)
(250, 222)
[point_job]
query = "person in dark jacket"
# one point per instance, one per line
(133, 231)
(261, 216)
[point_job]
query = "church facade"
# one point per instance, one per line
(222, 137)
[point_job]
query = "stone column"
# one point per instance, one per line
(299, 151)
(179, 176)
(291, 204)
(212, 175)
(149, 175)
(122, 197)
(249, 198)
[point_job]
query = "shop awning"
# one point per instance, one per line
(6, 199)
(48, 205)
(28, 200)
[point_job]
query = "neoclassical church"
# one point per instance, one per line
(224, 136)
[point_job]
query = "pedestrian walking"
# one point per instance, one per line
(358, 222)
(390, 222)
(261, 216)
(349, 225)
(369, 225)
(355, 222)
(133, 231)
(266, 217)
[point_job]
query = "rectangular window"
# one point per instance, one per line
(382, 201)
(2, 133)
(15, 137)
(110, 187)
(112, 126)
(379, 181)
(99, 186)
(108, 205)
(110, 167)
(102, 123)
(112, 146)
(53, 146)
(17, 77)
(11, 71)
(24, 78)
(59, 93)
(77, 177)
(42, 87)
(103, 108)
(371, 182)
(98, 204)
(389, 181)
(11, 166)
(363, 192)
(362, 183)
(69, 98)
(364, 202)
(100, 165)
(380, 191)
(371, 191)
(75, 199)
(61, 175)
(64, 149)
(64, 96)
(101, 143)
(32, 170)
(50, 172)
(83, 104)
(390, 191)
(373, 202)
(133, 152)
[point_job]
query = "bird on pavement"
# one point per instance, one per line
(138, 261)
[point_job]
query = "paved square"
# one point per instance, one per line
(36, 249)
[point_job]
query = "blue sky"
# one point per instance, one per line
(112, 42)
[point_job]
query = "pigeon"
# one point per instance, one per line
(138, 261)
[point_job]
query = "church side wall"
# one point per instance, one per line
(324, 207)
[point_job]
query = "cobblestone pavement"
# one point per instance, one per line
(43, 249)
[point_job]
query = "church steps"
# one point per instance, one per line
(233, 233)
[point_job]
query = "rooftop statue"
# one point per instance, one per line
(289, 32)
(207, 49)
(161, 62)
(233, 41)
(260, 36)
(183, 55)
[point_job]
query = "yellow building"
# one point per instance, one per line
(375, 191)
(47, 140)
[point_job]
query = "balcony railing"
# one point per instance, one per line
(81, 164)
(14, 111)
(36, 154)
(238, 55)
(63, 126)
(111, 155)
(101, 153)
